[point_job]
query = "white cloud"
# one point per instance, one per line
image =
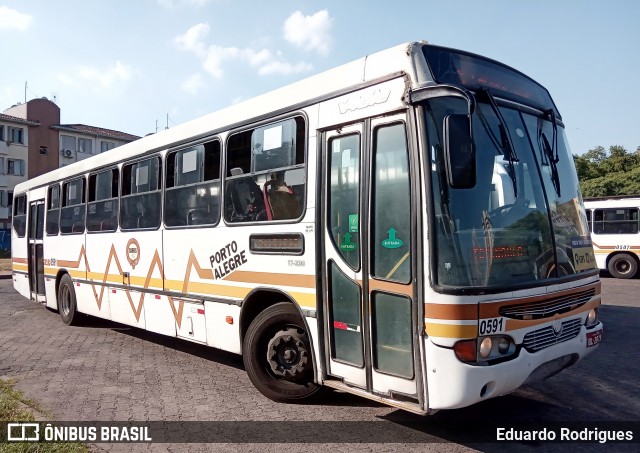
(192, 40)
(193, 84)
(102, 78)
(10, 19)
(257, 58)
(213, 56)
(309, 32)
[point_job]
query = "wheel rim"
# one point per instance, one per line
(287, 354)
(622, 266)
(65, 300)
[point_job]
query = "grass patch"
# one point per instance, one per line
(15, 407)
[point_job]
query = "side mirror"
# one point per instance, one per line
(459, 152)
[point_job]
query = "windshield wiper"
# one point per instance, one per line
(551, 150)
(508, 150)
(554, 144)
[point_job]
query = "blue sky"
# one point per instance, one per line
(125, 64)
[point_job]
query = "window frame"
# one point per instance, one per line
(373, 187)
(83, 178)
(84, 140)
(116, 198)
(14, 161)
(160, 189)
(49, 209)
(104, 146)
(15, 207)
(11, 135)
(330, 202)
(174, 152)
(602, 224)
(226, 177)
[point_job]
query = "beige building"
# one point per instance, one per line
(33, 142)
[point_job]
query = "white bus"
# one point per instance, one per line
(615, 230)
(405, 227)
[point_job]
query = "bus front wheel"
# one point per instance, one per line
(623, 266)
(67, 301)
(277, 355)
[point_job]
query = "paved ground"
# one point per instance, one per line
(104, 371)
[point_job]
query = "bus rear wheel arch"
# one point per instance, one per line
(277, 355)
(623, 265)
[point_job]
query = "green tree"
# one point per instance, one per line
(596, 155)
(606, 173)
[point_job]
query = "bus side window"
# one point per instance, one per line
(20, 215)
(265, 177)
(141, 196)
(72, 213)
(193, 186)
(598, 221)
(53, 210)
(102, 208)
(616, 221)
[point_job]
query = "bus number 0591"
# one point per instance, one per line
(489, 326)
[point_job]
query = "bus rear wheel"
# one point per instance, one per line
(277, 355)
(623, 265)
(67, 301)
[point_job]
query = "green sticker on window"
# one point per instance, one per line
(347, 245)
(353, 223)
(392, 242)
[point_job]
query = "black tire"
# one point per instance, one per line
(623, 265)
(67, 302)
(277, 355)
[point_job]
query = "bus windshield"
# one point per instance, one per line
(523, 221)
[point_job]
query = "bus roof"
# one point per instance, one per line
(612, 202)
(396, 60)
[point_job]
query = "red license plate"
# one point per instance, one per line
(593, 338)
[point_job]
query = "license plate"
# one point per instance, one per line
(593, 338)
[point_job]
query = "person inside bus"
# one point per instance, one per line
(245, 199)
(281, 201)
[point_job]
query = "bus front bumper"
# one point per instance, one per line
(453, 384)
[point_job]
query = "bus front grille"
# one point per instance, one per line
(548, 336)
(547, 308)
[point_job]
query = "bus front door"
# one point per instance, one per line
(370, 312)
(36, 254)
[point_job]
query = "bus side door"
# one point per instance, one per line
(36, 253)
(370, 309)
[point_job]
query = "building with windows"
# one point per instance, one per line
(33, 142)
(14, 159)
(79, 141)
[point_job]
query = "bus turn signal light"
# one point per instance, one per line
(229, 320)
(466, 350)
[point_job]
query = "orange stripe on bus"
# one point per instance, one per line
(492, 309)
(272, 278)
(451, 330)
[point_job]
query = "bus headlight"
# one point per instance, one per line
(503, 345)
(592, 318)
(485, 350)
(485, 347)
